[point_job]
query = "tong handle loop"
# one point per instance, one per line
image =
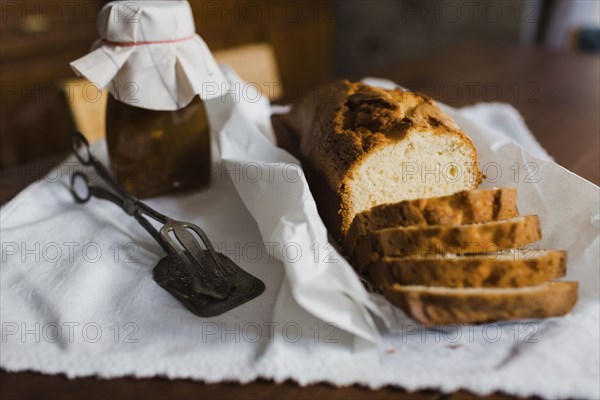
(80, 187)
(81, 148)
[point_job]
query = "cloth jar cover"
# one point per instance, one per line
(150, 56)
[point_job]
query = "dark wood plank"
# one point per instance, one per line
(28, 385)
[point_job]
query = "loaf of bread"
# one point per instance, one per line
(473, 238)
(512, 268)
(395, 182)
(439, 305)
(374, 146)
(466, 207)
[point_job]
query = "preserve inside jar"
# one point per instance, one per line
(154, 153)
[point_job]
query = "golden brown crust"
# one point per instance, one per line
(466, 207)
(341, 123)
(474, 238)
(518, 269)
(455, 306)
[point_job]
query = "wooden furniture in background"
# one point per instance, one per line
(87, 113)
(301, 33)
(37, 41)
(254, 63)
(39, 38)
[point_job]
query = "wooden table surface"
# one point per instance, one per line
(559, 96)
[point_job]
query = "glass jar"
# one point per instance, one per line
(155, 153)
(151, 68)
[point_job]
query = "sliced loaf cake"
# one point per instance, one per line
(505, 269)
(392, 177)
(439, 305)
(472, 238)
(465, 207)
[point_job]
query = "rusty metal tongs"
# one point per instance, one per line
(207, 282)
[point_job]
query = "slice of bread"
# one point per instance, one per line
(465, 207)
(511, 268)
(473, 238)
(373, 146)
(438, 305)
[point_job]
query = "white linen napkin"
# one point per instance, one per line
(77, 295)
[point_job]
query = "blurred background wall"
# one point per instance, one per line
(314, 41)
(379, 34)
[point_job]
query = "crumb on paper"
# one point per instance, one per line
(390, 351)
(456, 346)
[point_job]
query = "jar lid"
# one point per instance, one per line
(150, 56)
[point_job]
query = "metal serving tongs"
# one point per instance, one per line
(206, 282)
